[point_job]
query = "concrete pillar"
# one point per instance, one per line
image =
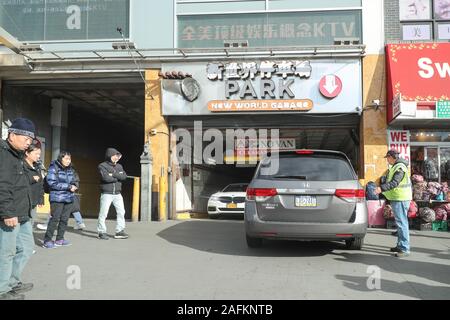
(374, 143)
(146, 183)
(59, 119)
(156, 123)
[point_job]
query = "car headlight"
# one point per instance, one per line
(214, 198)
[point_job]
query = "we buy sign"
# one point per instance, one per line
(399, 140)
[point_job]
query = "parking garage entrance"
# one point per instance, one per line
(85, 116)
(227, 156)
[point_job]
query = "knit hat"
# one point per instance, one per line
(23, 127)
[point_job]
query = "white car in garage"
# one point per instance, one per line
(231, 200)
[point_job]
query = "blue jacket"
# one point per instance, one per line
(60, 180)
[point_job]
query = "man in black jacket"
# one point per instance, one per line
(16, 235)
(112, 175)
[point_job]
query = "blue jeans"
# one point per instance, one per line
(16, 248)
(105, 203)
(400, 209)
(77, 217)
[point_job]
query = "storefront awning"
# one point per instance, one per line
(418, 83)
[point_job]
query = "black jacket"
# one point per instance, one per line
(111, 174)
(396, 179)
(37, 187)
(15, 194)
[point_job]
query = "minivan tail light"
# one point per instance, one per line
(260, 194)
(304, 152)
(351, 195)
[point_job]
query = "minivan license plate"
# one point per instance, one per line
(305, 201)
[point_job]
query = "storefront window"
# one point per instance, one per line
(433, 163)
(445, 164)
(429, 136)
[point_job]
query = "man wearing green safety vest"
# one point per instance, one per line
(397, 189)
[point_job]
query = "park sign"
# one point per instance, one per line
(262, 86)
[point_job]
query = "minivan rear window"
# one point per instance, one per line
(311, 168)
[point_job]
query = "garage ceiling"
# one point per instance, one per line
(121, 102)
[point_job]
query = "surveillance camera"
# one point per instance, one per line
(376, 102)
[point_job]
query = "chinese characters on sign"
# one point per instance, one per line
(233, 71)
(268, 29)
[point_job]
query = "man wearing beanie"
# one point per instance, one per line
(16, 235)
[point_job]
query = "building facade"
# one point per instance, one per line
(312, 73)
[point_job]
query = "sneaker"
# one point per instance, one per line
(121, 235)
(22, 287)
(11, 296)
(49, 245)
(80, 226)
(396, 249)
(62, 243)
(103, 236)
(41, 226)
(402, 254)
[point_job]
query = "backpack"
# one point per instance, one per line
(412, 211)
(441, 213)
(419, 189)
(427, 214)
(430, 171)
(370, 191)
(417, 178)
(388, 213)
(434, 188)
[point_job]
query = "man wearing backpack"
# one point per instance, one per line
(112, 175)
(397, 189)
(16, 234)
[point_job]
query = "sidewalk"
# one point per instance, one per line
(204, 259)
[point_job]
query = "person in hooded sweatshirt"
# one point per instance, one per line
(397, 189)
(112, 174)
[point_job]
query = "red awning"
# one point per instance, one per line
(419, 72)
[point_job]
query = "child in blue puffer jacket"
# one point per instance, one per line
(61, 179)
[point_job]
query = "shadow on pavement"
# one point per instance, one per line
(413, 233)
(228, 237)
(424, 269)
(417, 290)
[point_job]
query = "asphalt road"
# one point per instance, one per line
(205, 259)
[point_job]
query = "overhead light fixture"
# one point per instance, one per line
(124, 45)
(30, 47)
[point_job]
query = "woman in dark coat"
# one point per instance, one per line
(36, 175)
(61, 180)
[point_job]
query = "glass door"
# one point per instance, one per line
(431, 164)
(444, 155)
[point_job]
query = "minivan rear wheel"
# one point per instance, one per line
(253, 242)
(355, 243)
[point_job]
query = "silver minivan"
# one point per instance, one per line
(311, 195)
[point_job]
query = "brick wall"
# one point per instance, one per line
(391, 21)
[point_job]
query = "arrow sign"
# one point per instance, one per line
(330, 86)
